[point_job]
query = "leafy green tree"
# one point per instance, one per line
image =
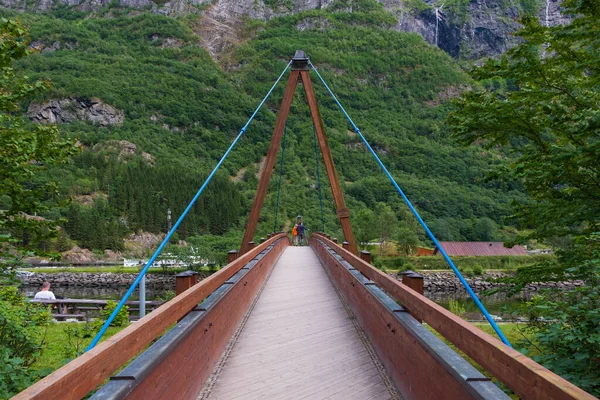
(385, 224)
(25, 150)
(364, 226)
(21, 340)
(407, 240)
(540, 100)
(564, 326)
(485, 230)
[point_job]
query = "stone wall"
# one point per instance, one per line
(448, 282)
(100, 279)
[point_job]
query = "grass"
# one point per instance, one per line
(511, 330)
(54, 354)
(498, 263)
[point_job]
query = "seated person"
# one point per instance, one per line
(45, 293)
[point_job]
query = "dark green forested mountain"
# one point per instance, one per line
(181, 109)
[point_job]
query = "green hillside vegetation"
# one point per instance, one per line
(184, 109)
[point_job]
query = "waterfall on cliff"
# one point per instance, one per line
(438, 18)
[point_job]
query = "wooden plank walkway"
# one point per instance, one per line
(299, 342)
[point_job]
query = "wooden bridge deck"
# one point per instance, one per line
(298, 342)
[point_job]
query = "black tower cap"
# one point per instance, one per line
(300, 61)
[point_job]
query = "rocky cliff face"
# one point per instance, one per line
(470, 30)
(70, 109)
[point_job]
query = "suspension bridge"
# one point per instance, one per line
(316, 322)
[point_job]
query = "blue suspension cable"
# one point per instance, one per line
(319, 180)
(280, 176)
(416, 214)
(174, 228)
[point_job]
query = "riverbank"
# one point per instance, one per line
(447, 281)
(434, 281)
(98, 279)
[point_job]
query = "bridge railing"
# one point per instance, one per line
(76, 379)
(519, 373)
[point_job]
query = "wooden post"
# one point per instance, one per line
(366, 256)
(414, 281)
(251, 245)
(259, 200)
(343, 213)
(184, 281)
(262, 240)
(231, 256)
(346, 245)
(334, 240)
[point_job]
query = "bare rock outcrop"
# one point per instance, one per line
(476, 29)
(71, 109)
(78, 255)
(124, 149)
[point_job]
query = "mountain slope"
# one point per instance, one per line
(464, 29)
(180, 110)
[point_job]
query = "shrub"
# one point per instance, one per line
(122, 318)
(456, 307)
(468, 272)
(166, 296)
(21, 340)
(478, 270)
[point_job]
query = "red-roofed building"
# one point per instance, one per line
(480, 249)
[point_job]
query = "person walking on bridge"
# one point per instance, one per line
(301, 231)
(295, 235)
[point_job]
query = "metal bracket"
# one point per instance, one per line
(343, 213)
(300, 61)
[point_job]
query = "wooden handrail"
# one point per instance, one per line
(522, 375)
(80, 376)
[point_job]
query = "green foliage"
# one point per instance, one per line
(530, 7)
(547, 115)
(77, 336)
(122, 318)
(24, 153)
(363, 225)
(457, 10)
(540, 99)
(407, 240)
(21, 340)
(485, 230)
(456, 307)
(25, 150)
(166, 296)
(477, 270)
(385, 224)
(184, 109)
(565, 329)
(55, 345)
(416, 7)
(485, 262)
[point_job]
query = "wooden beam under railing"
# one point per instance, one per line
(525, 377)
(83, 374)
